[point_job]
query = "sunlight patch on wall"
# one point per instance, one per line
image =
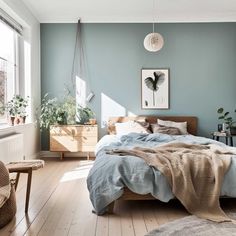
(131, 113)
(80, 92)
(110, 108)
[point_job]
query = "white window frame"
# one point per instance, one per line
(18, 78)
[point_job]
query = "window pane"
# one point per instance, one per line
(3, 87)
(7, 65)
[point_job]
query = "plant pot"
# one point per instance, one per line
(92, 121)
(22, 119)
(233, 130)
(17, 121)
(224, 127)
(12, 120)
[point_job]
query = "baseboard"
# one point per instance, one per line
(49, 154)
(34, 156)
(43, 154)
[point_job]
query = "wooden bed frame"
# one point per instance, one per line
(191, 127)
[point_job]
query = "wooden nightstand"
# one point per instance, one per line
(73, 138)
(228, 137)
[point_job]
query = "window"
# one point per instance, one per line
(9, 69)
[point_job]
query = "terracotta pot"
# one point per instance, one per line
(12, 120)
(17, 120)
(92, 121)
(22, 119)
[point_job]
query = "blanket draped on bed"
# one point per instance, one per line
(195, 173)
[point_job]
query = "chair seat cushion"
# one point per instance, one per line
(26, 164)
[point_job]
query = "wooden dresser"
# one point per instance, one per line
(73, 138)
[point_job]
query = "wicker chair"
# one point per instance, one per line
(8, 209)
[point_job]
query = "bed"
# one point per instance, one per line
(128, 177)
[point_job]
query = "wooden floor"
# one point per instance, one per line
(59, 205)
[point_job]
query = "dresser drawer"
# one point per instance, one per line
(59, 143)
(62, 143)
(74, 131)
(63, 131)
(87, 131)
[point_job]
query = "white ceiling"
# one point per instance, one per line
(133, 10)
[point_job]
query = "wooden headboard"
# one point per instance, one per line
(191, 121)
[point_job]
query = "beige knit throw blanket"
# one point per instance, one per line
(5, 186)
(195, 173)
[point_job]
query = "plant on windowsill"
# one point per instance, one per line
(2, 109)
(228, 120)
(16, 109)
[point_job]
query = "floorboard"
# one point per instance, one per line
(60, 205)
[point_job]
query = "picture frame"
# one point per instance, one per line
(155, 88)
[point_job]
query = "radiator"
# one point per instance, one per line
(11, 148)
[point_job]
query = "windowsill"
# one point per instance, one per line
(5, 128)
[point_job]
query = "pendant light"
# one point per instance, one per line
(153, 42)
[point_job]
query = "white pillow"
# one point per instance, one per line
(131, 127)
(182, 126)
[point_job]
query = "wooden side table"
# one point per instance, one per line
(228, 137)
(27, 167)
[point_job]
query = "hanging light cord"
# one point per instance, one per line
(76, 49)
(153, 16)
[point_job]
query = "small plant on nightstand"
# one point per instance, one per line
(228, 120)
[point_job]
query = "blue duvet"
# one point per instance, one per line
(110, 173)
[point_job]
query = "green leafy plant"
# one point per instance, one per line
(69, 105)
(17, 106)
(52, 111)
(47, 111)
(2, 109)
(84, 114)
(225, 116)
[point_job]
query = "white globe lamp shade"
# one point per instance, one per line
(153, 42)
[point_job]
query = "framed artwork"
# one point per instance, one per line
(155, 89)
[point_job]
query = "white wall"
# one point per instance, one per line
(30, 71)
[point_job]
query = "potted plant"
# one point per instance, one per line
(2, 109)
(16, 109)
(228, 120)
(84, 115)
(21, 105)
(52, 111)
(11, 111)
(48, 112)
(69, 106)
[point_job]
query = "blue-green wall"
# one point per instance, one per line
(201, 58)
